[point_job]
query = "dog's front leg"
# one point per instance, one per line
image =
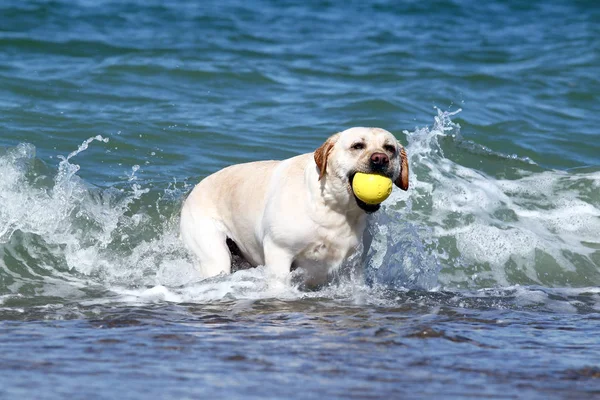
(278, 259)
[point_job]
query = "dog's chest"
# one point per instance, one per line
(332, 246)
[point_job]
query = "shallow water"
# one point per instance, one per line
(413, 344)
(483, 280)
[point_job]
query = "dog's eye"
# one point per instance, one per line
(358, 146)
(390, 148)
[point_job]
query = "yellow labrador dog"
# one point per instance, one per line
(296, 213)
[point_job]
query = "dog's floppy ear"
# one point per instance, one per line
(322, 154)
(402, 180)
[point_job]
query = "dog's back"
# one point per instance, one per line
(233, 198)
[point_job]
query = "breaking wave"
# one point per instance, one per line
(458, 227)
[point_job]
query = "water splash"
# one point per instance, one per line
(65, 230)
(534, 228)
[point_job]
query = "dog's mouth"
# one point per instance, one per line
(368, 208)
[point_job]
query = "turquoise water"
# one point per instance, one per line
(483, 280)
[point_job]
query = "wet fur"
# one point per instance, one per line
(296, 213)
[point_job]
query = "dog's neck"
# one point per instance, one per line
(333, 194)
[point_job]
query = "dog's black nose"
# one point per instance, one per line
(379, 160)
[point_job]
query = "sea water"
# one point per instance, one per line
(483, 280)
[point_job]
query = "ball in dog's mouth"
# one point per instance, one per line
(371, 188)
(368, 208)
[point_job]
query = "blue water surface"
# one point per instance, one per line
(482, 281)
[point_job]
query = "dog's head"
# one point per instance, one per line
(368, 150)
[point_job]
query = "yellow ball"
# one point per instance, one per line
(371, 188)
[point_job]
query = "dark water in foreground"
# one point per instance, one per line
(410, 345)
(483, 281)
